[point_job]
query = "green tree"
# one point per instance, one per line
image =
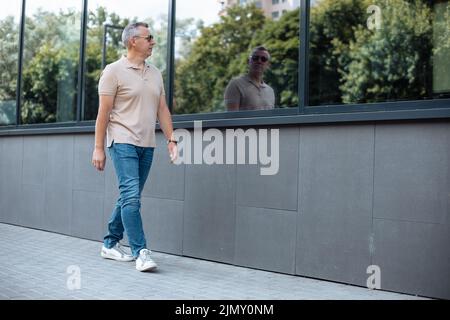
(50, 71)
(49, 85)
(9, 53)
(331, 30)
(441, 49)
(393, 62)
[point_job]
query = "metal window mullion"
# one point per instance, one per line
(81, 64)
(303, 87)
(105, 34)
(20, 64)
(171, 54)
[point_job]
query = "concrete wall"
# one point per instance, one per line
(346, 197)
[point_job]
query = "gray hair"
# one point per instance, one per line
(260, 48)
(131, 31)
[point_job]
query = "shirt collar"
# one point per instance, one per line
(262, 85)
(128, 64)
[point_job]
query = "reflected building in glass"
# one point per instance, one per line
(272, 8)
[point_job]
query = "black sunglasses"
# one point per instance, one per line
(148, 38)
(256, 58)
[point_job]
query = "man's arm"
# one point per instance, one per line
(232, 106)
(232, 97)
(165, 122)
(104, 109)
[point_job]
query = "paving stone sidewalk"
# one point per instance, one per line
(36, 264)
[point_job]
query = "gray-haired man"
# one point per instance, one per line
(131, 99)
(250, 92)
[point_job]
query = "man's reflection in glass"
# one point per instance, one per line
(249, 91)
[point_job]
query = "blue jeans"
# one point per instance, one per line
(132, 166)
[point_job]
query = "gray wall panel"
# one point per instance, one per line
(163, 224)
(265, 239)
(335, 218)
(2, 196)
(59, 183)
(32, 204)
(256, 190)
(165, 180)
(87, 215)
(11, 177)
(209, 212)
(2, 188)
(412, 175)
(86, 177)
(346, 175)
(413, 257)
(11, 209)
(34, 160)
(57, 215)
(60, 161)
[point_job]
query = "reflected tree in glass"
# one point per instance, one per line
(9, 52)
(399, 59)
(50, 67)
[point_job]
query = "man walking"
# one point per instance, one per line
(132, 97)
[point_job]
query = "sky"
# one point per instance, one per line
(207, 10)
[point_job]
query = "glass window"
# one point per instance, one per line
(50, 61)
(275, 1)
(441, 49)
(9, 65)
(214, 57)
(104, 39)
(377, 51)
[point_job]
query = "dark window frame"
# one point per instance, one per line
(302, 114)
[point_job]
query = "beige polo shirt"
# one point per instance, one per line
(137, 93)
(245, 92)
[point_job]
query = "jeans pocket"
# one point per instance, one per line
(124, 151)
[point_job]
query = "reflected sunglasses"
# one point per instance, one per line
(148, 38)
(256, 58)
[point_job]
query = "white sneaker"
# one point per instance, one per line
(116, 253)
(144, 262)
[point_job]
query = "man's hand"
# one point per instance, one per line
(173, 151)
(99, 159)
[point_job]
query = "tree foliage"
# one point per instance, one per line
(350, 63)
(394, 62)
(331, 31)
(8, 69)
(50, 68)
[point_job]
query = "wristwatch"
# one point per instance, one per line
(170, 140)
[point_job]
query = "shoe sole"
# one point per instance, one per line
(147, 269)
(105, 256)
